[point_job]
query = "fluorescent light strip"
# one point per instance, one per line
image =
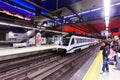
(116, 4)
(19, 8)
(93, 9)
(107, 8)
(107, 11)
(16, 15)
(14, 25)
(107, 23)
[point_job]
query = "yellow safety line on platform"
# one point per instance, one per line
(94, 70)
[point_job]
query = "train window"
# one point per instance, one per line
(77, 40)
(83, 40)
(72, 42)
(65, 41)
(80, 40)
(87, 40)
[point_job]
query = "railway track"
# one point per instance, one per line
(47, 67)
(9, 65)
(72, 64)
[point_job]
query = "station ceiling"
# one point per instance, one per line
(91, 11)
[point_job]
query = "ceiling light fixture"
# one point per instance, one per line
(107, 11)
(107, 16)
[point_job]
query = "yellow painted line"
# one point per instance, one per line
(94, 70)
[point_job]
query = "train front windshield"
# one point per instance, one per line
(65, 41)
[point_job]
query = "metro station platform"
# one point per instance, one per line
(89, 71)
(111, 75)
(9, 53)
(93, 71)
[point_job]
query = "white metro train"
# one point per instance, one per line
(70, 44)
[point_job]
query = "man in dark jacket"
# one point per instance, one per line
(105, 48)
(116, 44)
(116, 48)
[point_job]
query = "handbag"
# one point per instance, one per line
(112, 53)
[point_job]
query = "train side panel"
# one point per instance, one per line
(77, 43)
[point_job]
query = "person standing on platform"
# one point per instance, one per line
(38, 39)
(116, 48)
(11, 36)
(105, 48)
